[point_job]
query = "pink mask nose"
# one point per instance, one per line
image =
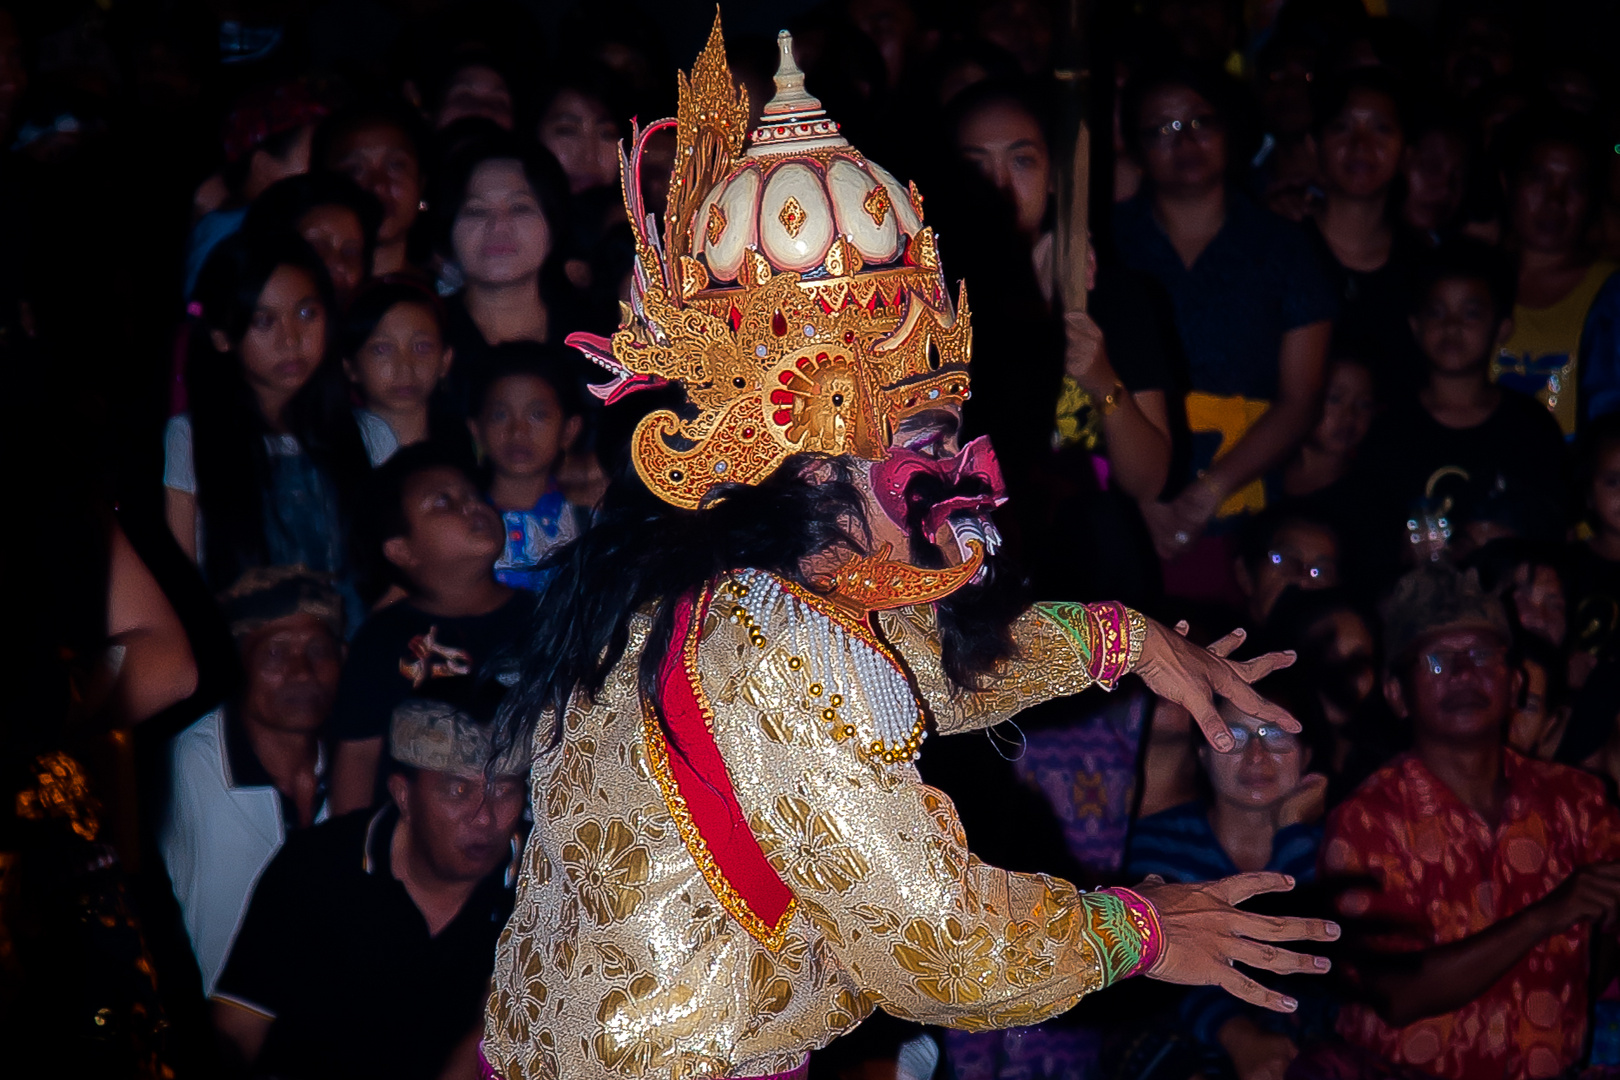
(892, 475)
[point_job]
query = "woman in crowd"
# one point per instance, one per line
(1435, 172)
(500, 217)
(264, 467)
(335, 218)
(1318, 470)
(1360, 142)
(1551, 177)
(391, 341)
(380, 147)
(1252, 306)
(1261, 811)
(581, 128)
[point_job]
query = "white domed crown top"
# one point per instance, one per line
(800, 188)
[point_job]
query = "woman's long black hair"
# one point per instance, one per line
(228, 430)
(641, 551)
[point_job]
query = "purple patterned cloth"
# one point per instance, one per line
(1086, 769)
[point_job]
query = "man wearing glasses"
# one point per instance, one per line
(1478, 877)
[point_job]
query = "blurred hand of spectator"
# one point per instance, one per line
(1306, 803)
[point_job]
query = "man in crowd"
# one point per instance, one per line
(254, 769)
(366, 950)
(1478, 876)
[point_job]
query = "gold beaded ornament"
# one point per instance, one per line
(830, 648)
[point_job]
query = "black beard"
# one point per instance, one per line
(975, 621)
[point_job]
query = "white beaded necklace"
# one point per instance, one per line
(835, 661)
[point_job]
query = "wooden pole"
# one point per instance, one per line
(1074, 180)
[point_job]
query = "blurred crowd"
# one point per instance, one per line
(284, 288)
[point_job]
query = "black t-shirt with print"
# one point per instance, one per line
(403, 652)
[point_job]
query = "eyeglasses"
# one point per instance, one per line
(1323, 570)
(1451, 661)
(1273, 739)
(1199, 128)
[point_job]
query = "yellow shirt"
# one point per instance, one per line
(1541, 356)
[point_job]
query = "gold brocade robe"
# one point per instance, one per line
(621, 959)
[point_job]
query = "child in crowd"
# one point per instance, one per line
(1323, 461)
(1285, 546)
(265, 467)
(393, 350)
(333, 216)
(1464, 444)
(440, 539)
(525, 417)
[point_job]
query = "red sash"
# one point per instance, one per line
(699, 792)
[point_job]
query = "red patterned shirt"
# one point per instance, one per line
(1439, 873)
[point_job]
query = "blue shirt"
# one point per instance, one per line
(531, 535)
(1257, 280)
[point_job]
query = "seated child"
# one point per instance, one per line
(440, 539)
(392, 344)
(524, 417)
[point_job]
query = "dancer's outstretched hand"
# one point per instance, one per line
(1205, 934)
(1194, 678)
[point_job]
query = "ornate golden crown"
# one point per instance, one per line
(795, 295)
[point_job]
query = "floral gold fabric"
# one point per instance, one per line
(620, 959)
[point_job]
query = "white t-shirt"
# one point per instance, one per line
(378, 435)
(216, 841)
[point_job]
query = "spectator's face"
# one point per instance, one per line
(522, 427)
(286, 335)
(891, 24)
(449, 524)
(1261, 772)
(1183, 141)
(1022, 27)
(292, 666)
(401, 362)
(1008, 146)
(1285, 94)
(335, 232)
(1348, 407)
(582, 135)
(500, 235)
(1436, 169)
(1538, 601)
(1304, 556)
(1361, 147)
(1479, 51)
(382, 160)
(1456, 327)
(476, 90)
(1460, 689)
(1605, 494)
(1345, 647)
(1202, 29)
(1551, 199)
(462, 827)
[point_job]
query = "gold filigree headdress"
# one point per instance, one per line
(795, 294)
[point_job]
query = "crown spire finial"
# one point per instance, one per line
(793, 120)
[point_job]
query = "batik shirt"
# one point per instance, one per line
(1440, 874)
(631, 953)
